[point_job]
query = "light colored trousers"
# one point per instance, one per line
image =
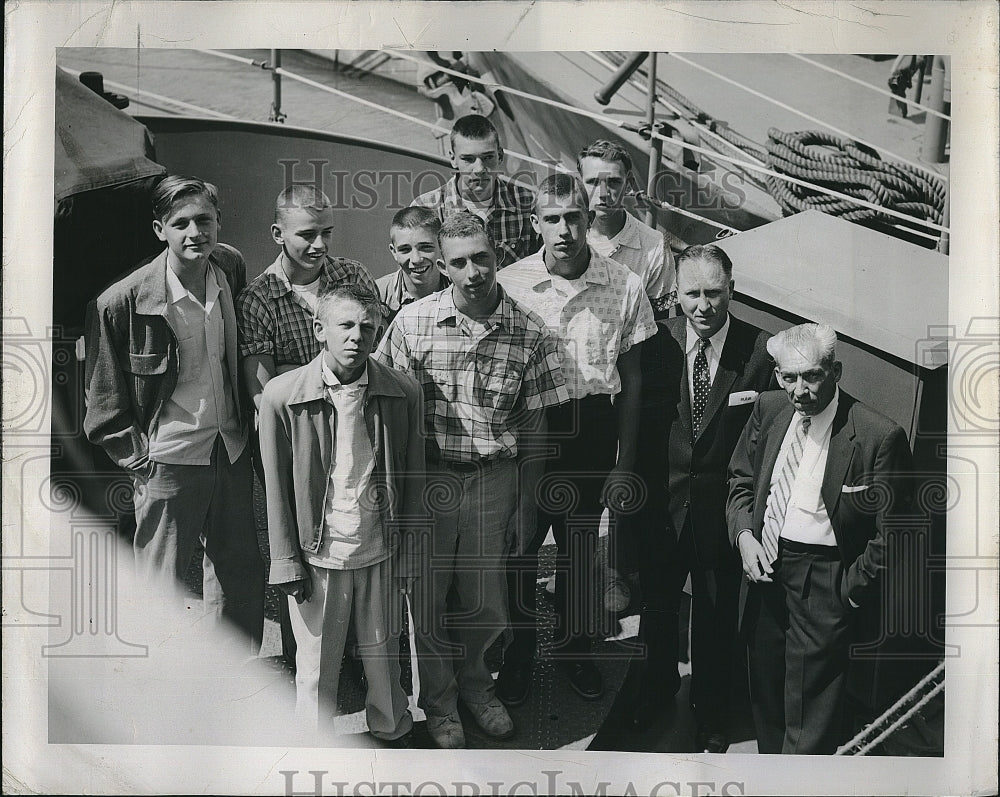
(370, 595)
(459, 599)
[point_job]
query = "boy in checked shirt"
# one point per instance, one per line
(488, 370)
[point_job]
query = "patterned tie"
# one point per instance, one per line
(782, 491)
(701, 386)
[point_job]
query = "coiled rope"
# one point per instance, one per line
(855, 170)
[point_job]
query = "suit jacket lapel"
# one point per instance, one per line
(840, 455)
(774, 435)
(679, 331)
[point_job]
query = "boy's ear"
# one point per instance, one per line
(392, 247)
(441, 266)
(158, 229)
(318, 330)
(534, 223)
(276, 235)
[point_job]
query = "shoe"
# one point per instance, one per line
(585, 679)
(713, 741)
(617, 593)
(514, 682)
(492, 718)
(446, 731)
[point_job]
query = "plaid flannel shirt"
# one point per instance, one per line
(475, 376)
(273, 320)
(509, 217)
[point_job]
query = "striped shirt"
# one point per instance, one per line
(475, 375)
(596, 317)
(275, 320)
(508, 217)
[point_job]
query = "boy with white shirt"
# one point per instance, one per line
(163, 402)
(343, 456)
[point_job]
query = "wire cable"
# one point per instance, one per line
(804, 115)
(868, 85)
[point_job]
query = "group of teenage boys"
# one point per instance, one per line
(421, 434)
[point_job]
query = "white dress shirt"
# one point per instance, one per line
(352, 525)
(203, 403)
(713, 352)
(806, 518)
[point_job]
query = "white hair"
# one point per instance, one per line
(822, 336)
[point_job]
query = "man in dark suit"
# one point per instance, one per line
(814, 482)
(705, 369)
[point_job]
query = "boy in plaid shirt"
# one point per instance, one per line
(488, 369)
(502, 205)
(276, 309)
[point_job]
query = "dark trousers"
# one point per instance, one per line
(798, 653)
(585, 434)
(181, 509)
(288, 646)
(714, 610)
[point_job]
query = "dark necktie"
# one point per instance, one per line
(701, 386)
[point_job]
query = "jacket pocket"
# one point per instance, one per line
(147, 364)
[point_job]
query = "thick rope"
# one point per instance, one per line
(864, 742)
(828, 161)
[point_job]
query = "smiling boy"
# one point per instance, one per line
(413, 243)
(162, 400)
(276, 309)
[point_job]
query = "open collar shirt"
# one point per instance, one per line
(595, 318)
(508, 217)
(475, 375)
(275, 320)
(203, 404)
(642, 249)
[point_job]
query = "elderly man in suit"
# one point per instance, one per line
(813, 485)
(705, 369)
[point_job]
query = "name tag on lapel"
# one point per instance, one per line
(742, 397)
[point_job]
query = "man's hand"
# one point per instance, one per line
(755, 563)
(619, 491)
(301, 590)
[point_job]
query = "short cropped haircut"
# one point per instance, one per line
(708, 252)
(475, 127)
(562, 186)
(606, 151)
(354, 292)
(173, 188)
(306, 197)
(463, 224)
(416, 218)
(802, 336)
